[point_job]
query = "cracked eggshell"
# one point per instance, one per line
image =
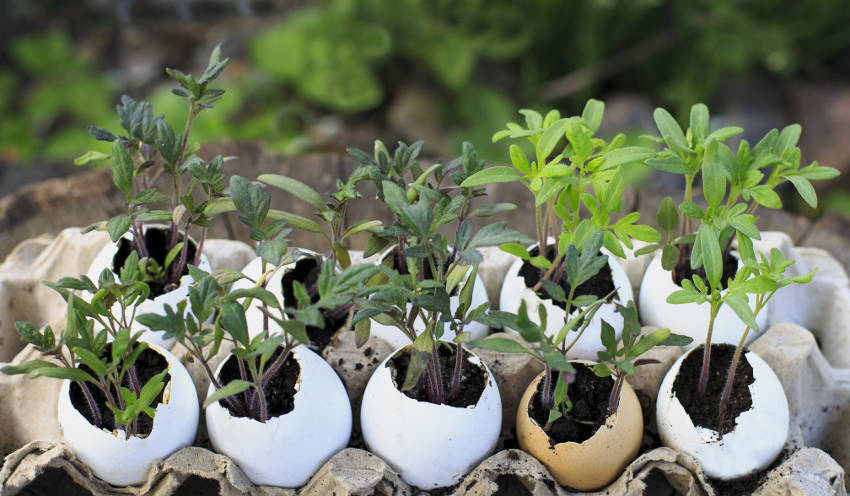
(429, 445)
(597, 461)
(757, 440)
(689, 319)
(123, 462)
(397, 339)
(287, 449)
(103, 260)
(254, 270)
(514, 291)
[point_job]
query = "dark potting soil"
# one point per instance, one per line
(599, 285)
(306, 271)
(704, 410)
(148, 364)
(510, 485)
(473, 379)
(280, 390)
(683, 269)
(425, 269)
(156, 242)
(589, 394)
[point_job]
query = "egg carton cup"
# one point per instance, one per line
(816, 382)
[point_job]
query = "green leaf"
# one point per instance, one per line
(296, 221)
(626, 155)
(117, 226)
(723, 134)
(72, 374)
(496, 234)
(788, 137)
(90, 156)
(764, 195)
(515, 249)
(592, 114)
(713, 176)
(27, 367)
(364, 225)
(699, 121)
(122, 168)
(670, 131)
(420, 355)
(712, 258)
(608, 339)
(671, 164)
(219, 206)
(297, 188)
(519, 160)
(501, 345)
(667, 216)
(90, 360)
(550, 138)
(804, 187)
(490, 175)
(232, 388)
(233, 321)
(816, 172)
(738, 302)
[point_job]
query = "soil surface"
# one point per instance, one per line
(704, 410)
(148, 364)
(599, 285)
(472, 382)
(156, 241)
(589, 394)
(306, 271)
(280, 390)
(683, 269)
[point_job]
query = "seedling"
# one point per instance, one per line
(586, 172)
(79, 353)
(422, 201)
(151, 148)
(734, 185)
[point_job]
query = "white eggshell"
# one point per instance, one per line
(286, 450)
(689, 319)
(757, 440)
(514, 291)
(254, 270)
(103, 260)
(397, 339)
(123, 462)
(428, 445)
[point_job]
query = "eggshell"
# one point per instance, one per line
(103, 260)
(758, 437)
(597, 461)
(514, 291)
(287, 449)
(689, 319)
(397, 339)
(254, 270)
(123, 462)
(429, 445)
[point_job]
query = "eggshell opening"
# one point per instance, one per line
(429, 445)
(514, 291)
(759, 435)
(123, 462)
(398, 339)
(287, 450)
(689, 319)
(103, 260)
(597, 461)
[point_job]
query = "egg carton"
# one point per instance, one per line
(806, 345)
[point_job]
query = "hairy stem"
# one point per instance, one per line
(730, 376)
(614, 398)
(458, 371)
(93, 408)
(546, 392)
(274, 367)
(133, 379)
(706, 356)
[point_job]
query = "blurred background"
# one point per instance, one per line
(311, 76)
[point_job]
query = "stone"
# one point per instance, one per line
(511, 468)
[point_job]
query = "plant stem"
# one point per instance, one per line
(614, 398)
(437, 392)
(197, 260)
(458, 372)
(133, 379)
(275, 366)
(706, 356)
(93, 408)
(730, 377)
(546, 393)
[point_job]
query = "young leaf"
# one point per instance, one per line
(490, 175)
(297, 188)
(712, 258)
(232, 388)
(122, 168)
(670, 131)
(667, 216)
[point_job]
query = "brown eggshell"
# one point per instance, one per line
(597, 461)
